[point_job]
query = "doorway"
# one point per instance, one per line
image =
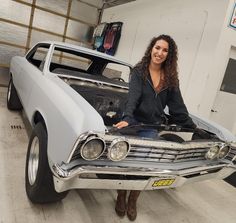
(223, 111)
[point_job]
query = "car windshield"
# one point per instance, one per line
(71, 62)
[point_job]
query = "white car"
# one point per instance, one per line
(72, 96)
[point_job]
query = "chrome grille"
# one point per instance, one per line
(154, 154)
(164, 152)
(165, 155)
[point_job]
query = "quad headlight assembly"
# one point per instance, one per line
(217, 152)
(94, 147)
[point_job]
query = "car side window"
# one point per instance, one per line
(37, 55)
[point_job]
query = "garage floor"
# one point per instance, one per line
(209, 202)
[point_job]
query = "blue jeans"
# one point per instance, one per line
(148, 133)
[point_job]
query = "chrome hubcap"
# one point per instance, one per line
(33, 160)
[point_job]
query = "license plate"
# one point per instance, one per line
(163, 182)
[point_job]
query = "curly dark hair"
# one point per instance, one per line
(169, 66)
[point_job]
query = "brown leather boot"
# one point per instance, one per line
(132, 204)
(121, 203)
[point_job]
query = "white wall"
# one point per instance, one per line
(227, 39)
(200, 29)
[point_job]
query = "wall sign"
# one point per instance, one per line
(233, 18)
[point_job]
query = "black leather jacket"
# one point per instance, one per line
(146, 105)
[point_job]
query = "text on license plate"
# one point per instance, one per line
(163, 182)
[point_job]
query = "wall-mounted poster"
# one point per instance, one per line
(233, 18)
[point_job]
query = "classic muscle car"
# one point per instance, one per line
(72, 96)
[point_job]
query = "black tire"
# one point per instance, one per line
(13, 101)
(172, 137)
(39, 183)
(231, 179)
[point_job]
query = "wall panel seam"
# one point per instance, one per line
(55, 13)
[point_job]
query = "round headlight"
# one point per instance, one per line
(224, 150)
(118, 150)
(92, 148)
(212, 153)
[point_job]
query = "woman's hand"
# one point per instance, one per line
(121, 124)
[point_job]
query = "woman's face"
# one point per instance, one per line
(159, 52)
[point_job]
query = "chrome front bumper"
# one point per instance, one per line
(159, 179)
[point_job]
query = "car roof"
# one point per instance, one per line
(87, 51)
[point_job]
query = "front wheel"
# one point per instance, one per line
(13, 101)
(38, 176)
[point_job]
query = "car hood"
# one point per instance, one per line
(221, 132)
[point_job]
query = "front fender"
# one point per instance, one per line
(67, 115)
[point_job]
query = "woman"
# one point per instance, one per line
(154, 85)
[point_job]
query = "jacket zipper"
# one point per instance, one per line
(156, 95)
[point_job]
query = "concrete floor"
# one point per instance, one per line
(209, 202)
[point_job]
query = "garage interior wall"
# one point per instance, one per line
(26, 22)
(200, 29)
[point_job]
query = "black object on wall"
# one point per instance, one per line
(107, 37)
